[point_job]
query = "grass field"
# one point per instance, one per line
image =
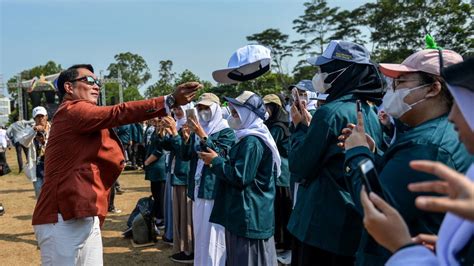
(17, 240)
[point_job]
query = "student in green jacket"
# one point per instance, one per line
(244, 204)
(155, 171)
(278, 125)
(305, 90)
(183, 246)
(419, 101)
(324, 220)
(209, 130)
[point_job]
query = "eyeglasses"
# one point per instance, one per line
(396, 82)
(88, 80)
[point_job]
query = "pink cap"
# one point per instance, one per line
(424, 61)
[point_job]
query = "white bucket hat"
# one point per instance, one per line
(248, 62)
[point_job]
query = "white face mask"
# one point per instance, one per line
(394, 104)
(234, 123)
(205, 115)
(318, 80)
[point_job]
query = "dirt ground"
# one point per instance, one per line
(17, 240)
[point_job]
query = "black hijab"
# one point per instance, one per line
(364, 81)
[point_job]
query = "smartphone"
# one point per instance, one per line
(191, 114)
(359, 106)
(370, 178)
(296, 98)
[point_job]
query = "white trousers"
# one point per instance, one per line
(209, 238)
(71, 242)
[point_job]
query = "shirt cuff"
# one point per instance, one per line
(167, 108)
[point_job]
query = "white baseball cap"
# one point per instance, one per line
(39, 110)
(248, 62)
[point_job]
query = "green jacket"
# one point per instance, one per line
(434, 140)
(282, 141)
(324, 215)
(180, 172)
(244, 201)
(220, 142)
(156, 171)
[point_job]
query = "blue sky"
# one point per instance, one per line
(195, 35)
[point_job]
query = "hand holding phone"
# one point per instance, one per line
(191, 114)
(370, 178)
(296, 98)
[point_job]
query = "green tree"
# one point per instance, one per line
(304, 72)
(187, 76)
(165, 84)
(348, 26)
(133, 68)
(316, 25)
(112, 94)
(263, 85)
(398, 27)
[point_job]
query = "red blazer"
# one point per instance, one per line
(84, 157)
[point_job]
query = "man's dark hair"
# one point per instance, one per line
(70, 74)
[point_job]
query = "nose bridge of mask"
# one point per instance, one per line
(407, 91)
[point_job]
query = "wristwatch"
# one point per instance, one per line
(170, 101)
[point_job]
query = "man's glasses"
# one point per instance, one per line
(397, 81)
(88, 80)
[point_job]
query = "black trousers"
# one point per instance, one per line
(19, 158)
(112, 197)
(158, 192)
(282, 216)
(303, 254)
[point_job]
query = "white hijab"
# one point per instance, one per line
(216, 124)
(180, 122)
(253, 125)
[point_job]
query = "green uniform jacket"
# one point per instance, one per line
(282, 142)
(244, 201)
(181, 167)
(433, 140)
(220, 142)
(156, 171)
(324, 215)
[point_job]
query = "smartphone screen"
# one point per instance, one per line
(191, 114)
(370, 178)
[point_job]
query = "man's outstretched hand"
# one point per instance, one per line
(185, 92)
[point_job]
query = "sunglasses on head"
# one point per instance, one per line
(89, 80)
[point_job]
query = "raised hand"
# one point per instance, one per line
(458, 188)
(354, 135)
(208, 156)
(185, 92)
(196, 127)
(170, 125)
(185, 132)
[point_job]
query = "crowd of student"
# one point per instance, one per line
(256, 179)
(283, 178)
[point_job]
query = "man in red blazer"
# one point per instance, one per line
(84, 158)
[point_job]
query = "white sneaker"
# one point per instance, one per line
(284, 257)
